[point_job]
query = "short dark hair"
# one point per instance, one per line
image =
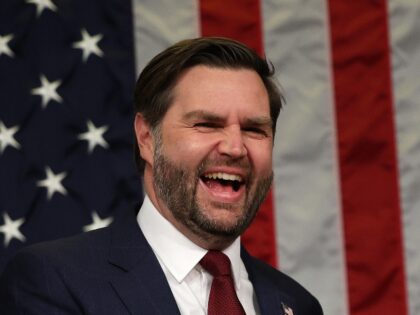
(153, 91)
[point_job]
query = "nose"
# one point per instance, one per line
(232, 144)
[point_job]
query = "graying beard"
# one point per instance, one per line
(182, 205)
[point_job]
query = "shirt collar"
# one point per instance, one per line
(174, 249)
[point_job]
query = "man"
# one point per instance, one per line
(206, 112)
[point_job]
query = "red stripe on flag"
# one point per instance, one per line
(367, 155)
(241, 20)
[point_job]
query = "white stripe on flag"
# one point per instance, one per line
(308, 211)
(405, 30)
(160, 23)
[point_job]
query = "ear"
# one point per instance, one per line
(144, 138)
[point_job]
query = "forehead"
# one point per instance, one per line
(220, 90)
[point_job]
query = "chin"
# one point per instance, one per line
(223, 222)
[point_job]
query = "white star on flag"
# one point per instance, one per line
(52, 183)
(89, 45)
(94, 136)
(10, 229)
(97, 222)
(41, 5)
(4, 45)
(48, 91)
(7, 137)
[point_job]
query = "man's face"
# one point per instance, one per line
(212, 164)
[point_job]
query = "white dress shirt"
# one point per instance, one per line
(179, 259)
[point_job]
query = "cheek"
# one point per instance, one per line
(187, 149)
(261, 156)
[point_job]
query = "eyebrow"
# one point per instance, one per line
(202, 114)
(259, 121)
(209, 116)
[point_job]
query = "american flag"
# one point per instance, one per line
(343, 214)
(66, 78)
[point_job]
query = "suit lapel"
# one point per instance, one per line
(142, 286)
(268, 295)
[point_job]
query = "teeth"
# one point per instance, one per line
(224, 176)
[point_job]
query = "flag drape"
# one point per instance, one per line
(342, 216)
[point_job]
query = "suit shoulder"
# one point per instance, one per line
(41, 276)
(292, 290)
(69, 250)
(280, 278)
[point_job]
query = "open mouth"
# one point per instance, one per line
(223, 181)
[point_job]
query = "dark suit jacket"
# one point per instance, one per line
(114, 271)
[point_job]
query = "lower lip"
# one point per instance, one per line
(227, 197)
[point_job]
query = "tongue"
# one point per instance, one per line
(217, 186)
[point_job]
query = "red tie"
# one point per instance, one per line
(222, 299)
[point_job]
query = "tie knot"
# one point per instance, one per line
(216, 263)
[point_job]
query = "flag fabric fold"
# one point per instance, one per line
(343, 211)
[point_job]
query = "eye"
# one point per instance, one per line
(256, 131)
(206, 125)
